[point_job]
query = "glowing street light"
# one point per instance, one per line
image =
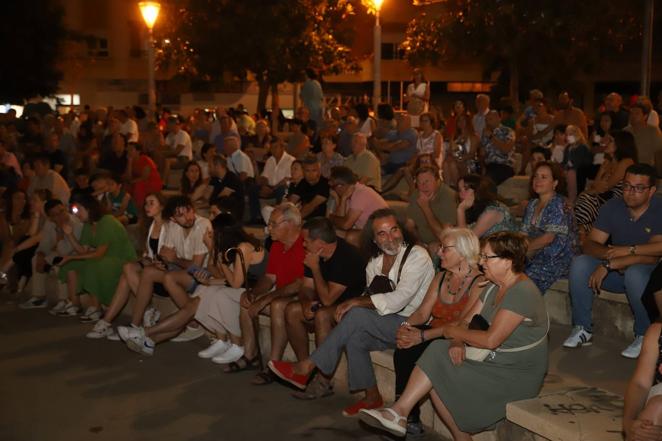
(150, 12)
(377, 62)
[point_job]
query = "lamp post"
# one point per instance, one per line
(377, 66)
(150, 12)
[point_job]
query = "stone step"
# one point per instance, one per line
(612, 316)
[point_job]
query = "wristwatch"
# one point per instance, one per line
(632, 250)
(606, 264)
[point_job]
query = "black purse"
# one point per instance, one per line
(381, 284)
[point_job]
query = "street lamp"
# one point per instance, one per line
(150, 12)
(377, 67)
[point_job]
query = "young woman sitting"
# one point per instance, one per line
(480, 208)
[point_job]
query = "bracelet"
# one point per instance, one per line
(405, 323)
(422, 335)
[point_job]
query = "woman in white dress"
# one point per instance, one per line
(418, 97)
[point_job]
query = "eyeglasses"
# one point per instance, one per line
(443, 247)
(635, 188)
(275, 224)
(488, 257)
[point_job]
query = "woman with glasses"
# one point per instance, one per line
(549, 222)
(451, 294)
(508, 323)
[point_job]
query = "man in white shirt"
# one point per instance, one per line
(184, 252)
(482, 109)
(238, 162)
(179, 145)
(128, 127)
(274, 180)
(370, 322)
(49, 179)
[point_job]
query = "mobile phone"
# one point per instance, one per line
(74, 209)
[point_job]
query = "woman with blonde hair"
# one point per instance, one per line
(452, 293)
(576, 158)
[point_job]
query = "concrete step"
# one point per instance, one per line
(612, 316)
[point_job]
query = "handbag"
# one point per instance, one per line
(381, 284)
(481, 354)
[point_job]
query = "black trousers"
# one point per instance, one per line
(404, 361)
(499, 172)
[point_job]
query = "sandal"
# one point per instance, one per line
(263, 378)
(317, 388)
(243, 364)
(375, 418)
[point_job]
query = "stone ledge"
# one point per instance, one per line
(572, 414)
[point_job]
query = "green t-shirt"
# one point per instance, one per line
(443, 206)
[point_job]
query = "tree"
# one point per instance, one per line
(274, 40)
(542, 44)
(31, 35)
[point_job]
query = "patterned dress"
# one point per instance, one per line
(552, 262)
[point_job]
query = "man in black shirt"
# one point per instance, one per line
(313, 192)
(227, 185)
(334, 272)
(56, 155)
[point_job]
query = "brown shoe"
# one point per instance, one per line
(319, 387)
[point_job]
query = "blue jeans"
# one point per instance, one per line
(632, 283)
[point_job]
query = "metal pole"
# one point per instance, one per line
(377, 68)
(647, 48)
(151, 82)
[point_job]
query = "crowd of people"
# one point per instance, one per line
(386, 230)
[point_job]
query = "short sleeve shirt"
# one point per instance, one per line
(188, 246)
(366, 200)
(443, 206)
(231, 181)
(307, 193)
(286, 265)
(181, 138)
(493, 154)
(345, 267)
(614, 219)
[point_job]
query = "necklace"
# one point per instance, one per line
(460, 285)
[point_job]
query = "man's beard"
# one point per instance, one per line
(391, 248)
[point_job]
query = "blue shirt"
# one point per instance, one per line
(410, 136)
(614, 219)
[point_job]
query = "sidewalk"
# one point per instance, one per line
(57, 385)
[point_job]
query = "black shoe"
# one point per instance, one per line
(415, 430)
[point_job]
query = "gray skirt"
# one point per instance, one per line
(219, 308)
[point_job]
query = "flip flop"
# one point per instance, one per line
(374, 418)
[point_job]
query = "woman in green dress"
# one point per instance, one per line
(470, 395)
(96, 266)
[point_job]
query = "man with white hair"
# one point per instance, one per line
(276, 289)
(364, 163)
(614, 106)
(238, 162)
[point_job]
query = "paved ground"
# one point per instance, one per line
(57, 385)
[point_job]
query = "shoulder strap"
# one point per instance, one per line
(530, 345)
(402, 262)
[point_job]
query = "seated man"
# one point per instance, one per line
(183, 250)
(180, 147)
(45, 177)
(334, 273)
(399, 274)
(277, 288)
(53, 246)
(274, 180)
(400, 144)
(313, 192)
(498, 144)
(432, 208)
(225, 184)
(355, 202)
(238, 162)
(631, 221)
(364, 163)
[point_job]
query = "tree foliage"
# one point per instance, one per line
(31, 35)
(275, 40)
(546, 43)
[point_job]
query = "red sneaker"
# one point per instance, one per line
(285, 371)
(356, 407)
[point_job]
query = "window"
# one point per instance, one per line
(392, 51)
(97, 47)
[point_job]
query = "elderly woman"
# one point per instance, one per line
(512, 324)
(452, 293)
(550, 225)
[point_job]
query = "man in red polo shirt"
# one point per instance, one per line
(277, 288)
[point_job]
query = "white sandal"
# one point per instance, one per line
(374, 418)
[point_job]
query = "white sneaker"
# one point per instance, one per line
(233, 354)
(634, 349)
(102, 329)
(61, 305)
(578, 337)
(189, 334)
(91, 315)
(113, 336)
(216, 348)
(125, 332)
(70, 310)
(34, 303)
(140, 343)
(151, 317)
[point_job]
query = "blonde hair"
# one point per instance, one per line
(466, 243)
(577, 133)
